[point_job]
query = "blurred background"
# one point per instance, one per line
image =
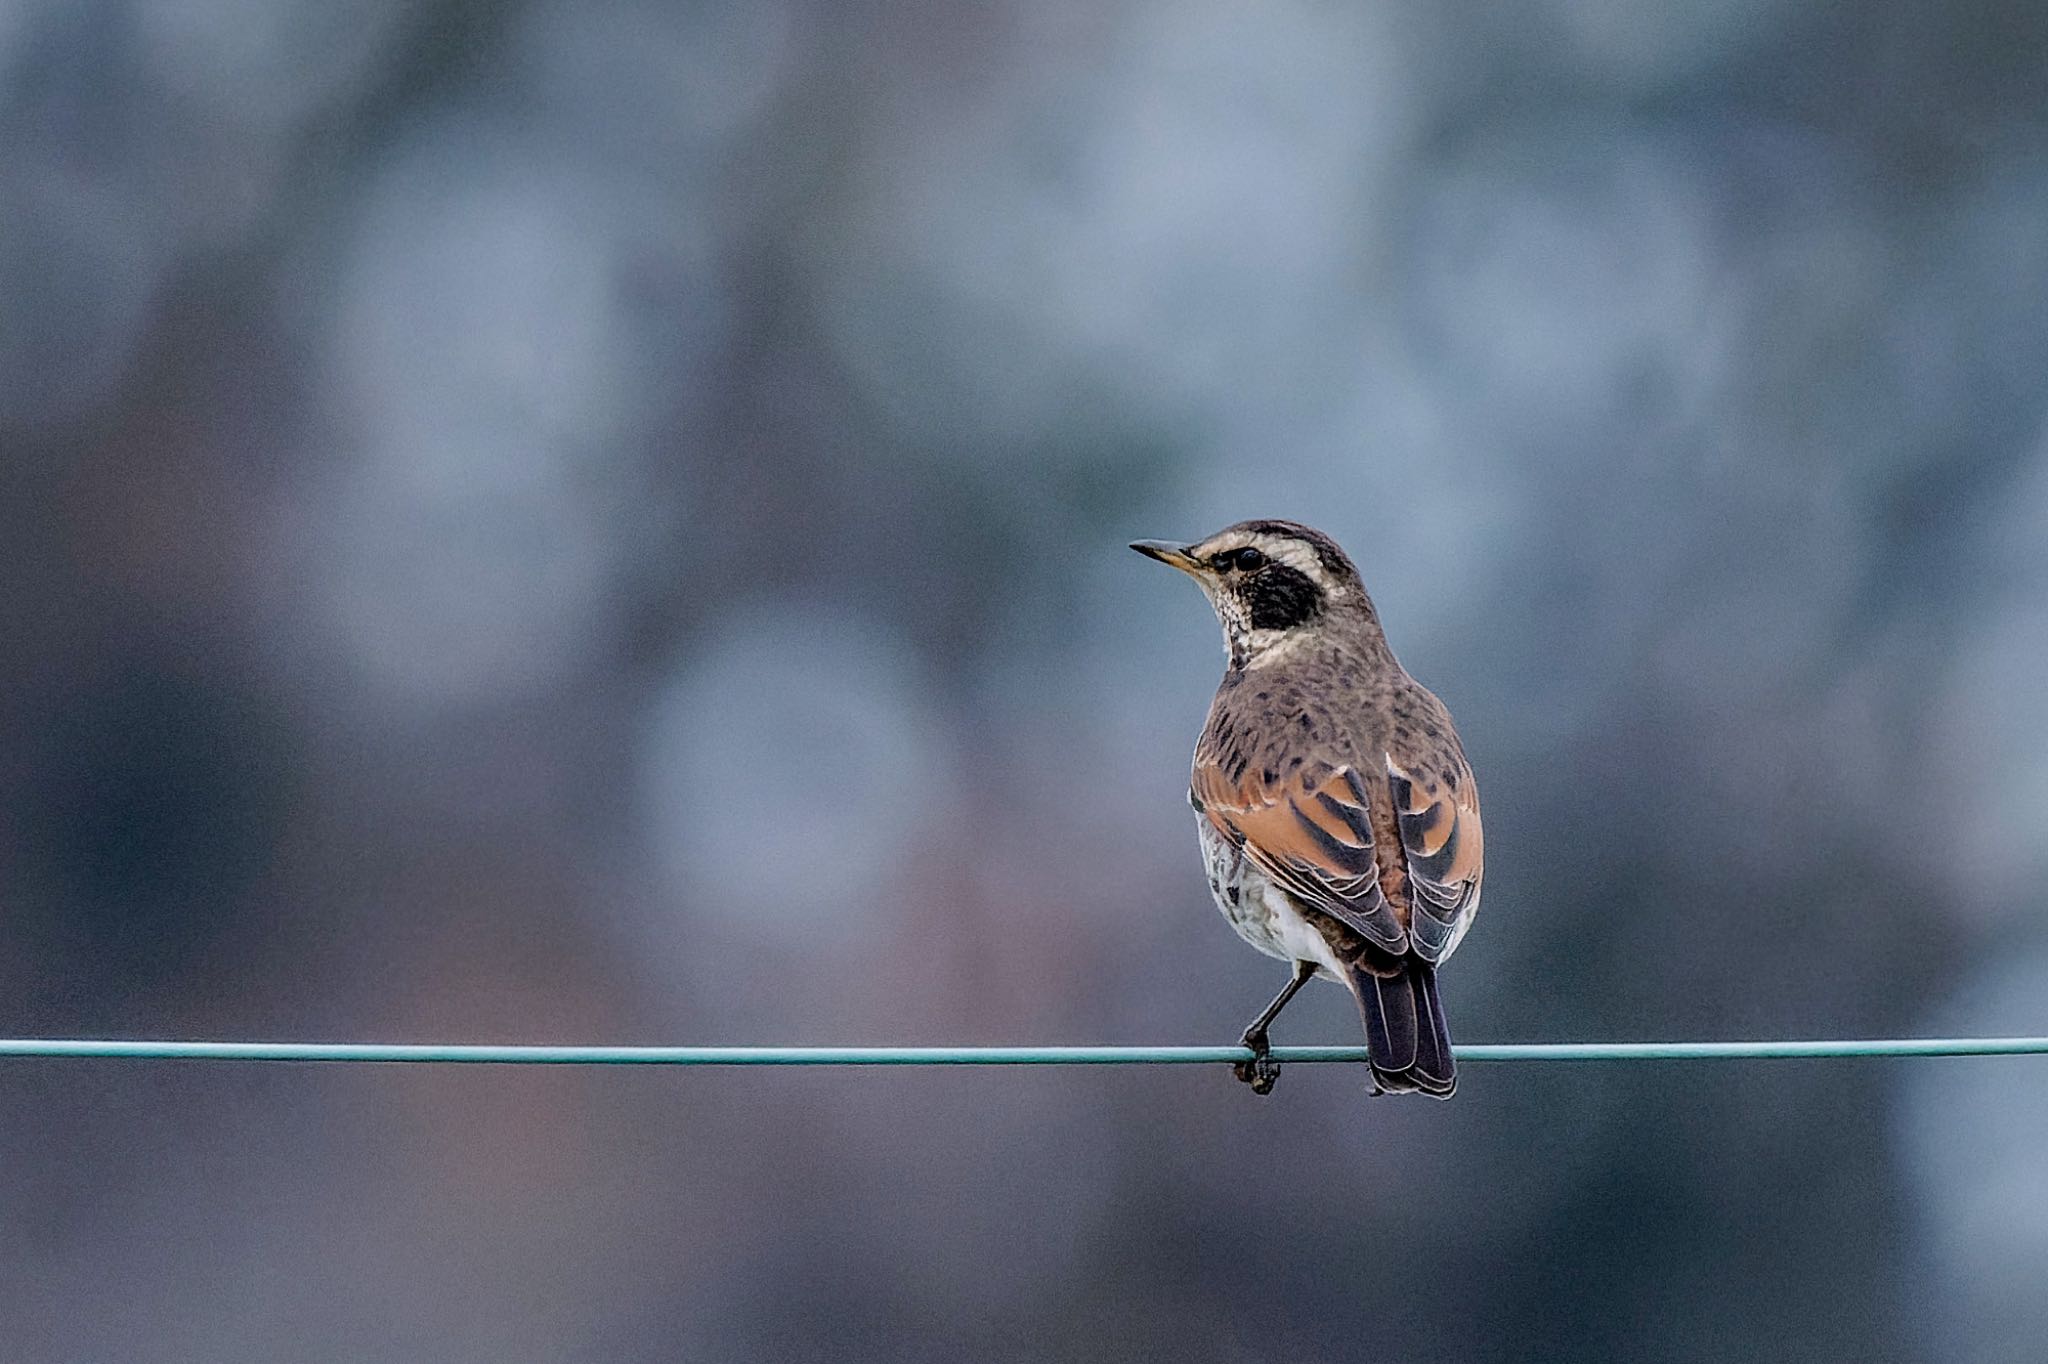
(531, 522)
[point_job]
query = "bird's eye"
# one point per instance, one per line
(1249, 558)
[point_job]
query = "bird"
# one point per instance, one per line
(1338, 816)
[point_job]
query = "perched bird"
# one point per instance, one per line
(1337, 813)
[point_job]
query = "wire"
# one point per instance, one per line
(449, 1053)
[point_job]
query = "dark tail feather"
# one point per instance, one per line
(1406, 1040)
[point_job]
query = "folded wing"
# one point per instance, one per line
(1444, 849)
(1312, 834)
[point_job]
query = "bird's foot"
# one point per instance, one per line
(1261, 1072)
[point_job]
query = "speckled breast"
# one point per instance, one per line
(1240, 891)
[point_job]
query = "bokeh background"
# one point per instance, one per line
(544, 522)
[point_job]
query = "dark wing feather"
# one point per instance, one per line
(1312, 834)
(1445, 850)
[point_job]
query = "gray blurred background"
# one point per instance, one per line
(535, 522)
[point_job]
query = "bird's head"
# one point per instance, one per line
(1272, 583)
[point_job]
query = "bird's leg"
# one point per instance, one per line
(1261, 1072)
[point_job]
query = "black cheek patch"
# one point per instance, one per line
(1280, 598)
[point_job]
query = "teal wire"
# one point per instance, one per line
(447, 1053)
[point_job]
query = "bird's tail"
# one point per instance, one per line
(1406, 1041)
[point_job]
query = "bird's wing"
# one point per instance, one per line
(1311, 833)
(1445, 850)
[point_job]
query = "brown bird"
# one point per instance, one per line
(1338, 816)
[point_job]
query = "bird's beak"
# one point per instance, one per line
(1167, 552)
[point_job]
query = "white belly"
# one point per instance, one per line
(1263, 914)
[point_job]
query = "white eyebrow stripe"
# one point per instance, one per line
(1300, 557)
(1296, 554)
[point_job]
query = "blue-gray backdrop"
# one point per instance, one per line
(536, 522)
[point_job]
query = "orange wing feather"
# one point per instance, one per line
(1312, 834)
(1445, 849)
